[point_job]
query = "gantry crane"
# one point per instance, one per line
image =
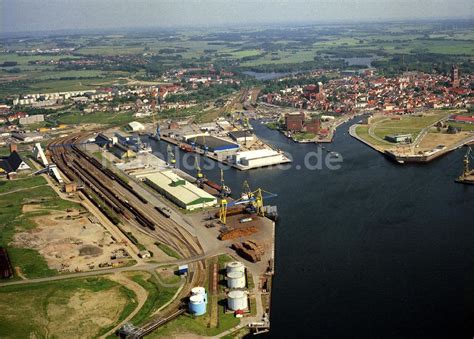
(253, 200)
(199, 175)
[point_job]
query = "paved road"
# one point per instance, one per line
(146, 266)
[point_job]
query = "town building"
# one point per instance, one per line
(12, 164)
(455, 76)
(294, 121)
(400, 138)
(242, 136)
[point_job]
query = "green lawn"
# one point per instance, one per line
(303, 136)
(363, 132)
(62, 309)
(107, 118)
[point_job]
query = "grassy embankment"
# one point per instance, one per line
(90, 306)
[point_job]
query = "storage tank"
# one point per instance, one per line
(236, 280)
(235, 266)
(199, 291)
(197, 306)
(237, 300)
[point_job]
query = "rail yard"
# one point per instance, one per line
(155, 231)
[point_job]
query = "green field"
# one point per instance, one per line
(13, 219)
(397, 46)
(107, 118)
(62, 309)
(362, 132)
(406, 125)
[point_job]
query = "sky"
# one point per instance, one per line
(48, 15)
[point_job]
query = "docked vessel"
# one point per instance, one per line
(186, 148)
(467, 177)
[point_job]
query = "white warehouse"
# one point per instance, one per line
(259, 158)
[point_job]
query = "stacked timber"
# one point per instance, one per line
(237, 233)
(249, 250)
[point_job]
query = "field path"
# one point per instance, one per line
(22, 189)
(141, 295)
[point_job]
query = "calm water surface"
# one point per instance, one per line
(372, 250)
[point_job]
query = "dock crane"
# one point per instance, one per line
(157, 134)
(225, 190)
(199, 175)
(254, 200)
(171, 157)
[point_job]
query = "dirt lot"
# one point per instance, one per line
(432, 140)
(71, 241)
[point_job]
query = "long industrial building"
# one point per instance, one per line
(178, 190)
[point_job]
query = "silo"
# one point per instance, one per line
(237, 300)
(197, 306)
(236, 280)
(235, 266)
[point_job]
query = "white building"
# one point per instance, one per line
(259, 158)
(135, 126)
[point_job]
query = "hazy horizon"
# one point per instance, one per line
(55, 15)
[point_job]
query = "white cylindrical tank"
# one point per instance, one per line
(197, 306)
(237, 300)
(235, 266)
(236, 280)
(199, 291)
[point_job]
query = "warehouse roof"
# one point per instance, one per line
(179, 188)
(212, 142)
(255, 154)
(11, 163)
(136, 126)
(240, 134)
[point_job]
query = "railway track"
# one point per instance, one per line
(119, 196)
(178, 307)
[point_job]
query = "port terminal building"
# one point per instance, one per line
(178, 190)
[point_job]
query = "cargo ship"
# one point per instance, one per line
(224, 190)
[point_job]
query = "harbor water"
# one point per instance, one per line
(371, 250)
